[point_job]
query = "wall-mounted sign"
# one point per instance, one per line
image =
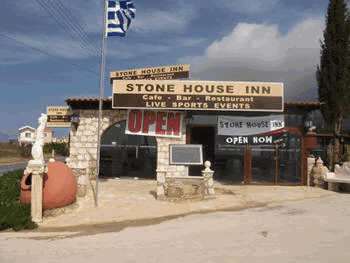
(251, 140)
(198, 95)
(157, 73)
(186, 154)
(237, 126)
(58, 116)
(154, 123)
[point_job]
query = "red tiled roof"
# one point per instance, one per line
(303, 103)
(86, 99)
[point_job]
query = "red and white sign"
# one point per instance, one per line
(154, 123)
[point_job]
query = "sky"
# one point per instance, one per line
(51, 49)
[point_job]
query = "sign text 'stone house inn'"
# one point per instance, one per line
(199, 95)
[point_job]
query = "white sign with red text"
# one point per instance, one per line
(154, 123)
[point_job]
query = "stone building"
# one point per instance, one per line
(138, 156)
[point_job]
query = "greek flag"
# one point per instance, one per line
(119, 16)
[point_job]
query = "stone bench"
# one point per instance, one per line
(341, 175)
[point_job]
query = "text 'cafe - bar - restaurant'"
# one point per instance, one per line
(247, 131)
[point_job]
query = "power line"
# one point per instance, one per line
(76, 23)
(65, 27)
(48, 54)
(78, 34)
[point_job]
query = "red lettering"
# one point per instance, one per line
(135, 120)
(160, 122)
(173, 124)
(149, 118)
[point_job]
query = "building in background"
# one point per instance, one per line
(26, 135)
(48, 135)
(60, 140)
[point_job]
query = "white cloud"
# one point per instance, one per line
(261, 46)
(145, 48)
(145, 22)
(190, 42)
(156, 21)
(251, 6)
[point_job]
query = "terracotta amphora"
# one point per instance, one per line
(59, 187)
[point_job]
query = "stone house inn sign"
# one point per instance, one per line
(198, 95)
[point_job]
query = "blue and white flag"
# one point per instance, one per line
(119, 16)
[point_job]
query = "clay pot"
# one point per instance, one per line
(59, 187)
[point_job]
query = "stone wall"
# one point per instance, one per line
(83, 143)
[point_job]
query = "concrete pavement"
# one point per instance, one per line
(311, 230)
(134, 201)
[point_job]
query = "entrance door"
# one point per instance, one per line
(206, 137)
(124, 155)
(262, 164)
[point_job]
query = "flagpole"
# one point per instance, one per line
(100, 101)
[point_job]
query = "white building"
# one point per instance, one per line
(60, 140)
(26, 135)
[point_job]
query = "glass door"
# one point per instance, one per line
(229, 163)
(275, 164)
(262, 164)
(289, 160)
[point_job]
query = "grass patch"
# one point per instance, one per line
(13, 214)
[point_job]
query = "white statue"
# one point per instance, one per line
(37, 149)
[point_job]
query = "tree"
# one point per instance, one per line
(332, 74)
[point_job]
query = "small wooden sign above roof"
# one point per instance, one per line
(58, 116)
(156, 73)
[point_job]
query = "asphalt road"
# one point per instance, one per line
(315, 230)
(5, 168)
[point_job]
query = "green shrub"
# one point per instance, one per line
(60, 148)
(13, 214)
(25, 150)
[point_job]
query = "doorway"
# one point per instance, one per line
(206, 136)
(124, 155)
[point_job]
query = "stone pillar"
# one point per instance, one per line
(161, 174)
(310, 165)
(37, 168)
(163, 168)
(209, 182)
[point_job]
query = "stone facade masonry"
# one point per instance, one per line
(83, 148)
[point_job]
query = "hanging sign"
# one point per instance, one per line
(237, 126)
(154, 123)
(197, 95)
(157, 73)
(58, 116)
